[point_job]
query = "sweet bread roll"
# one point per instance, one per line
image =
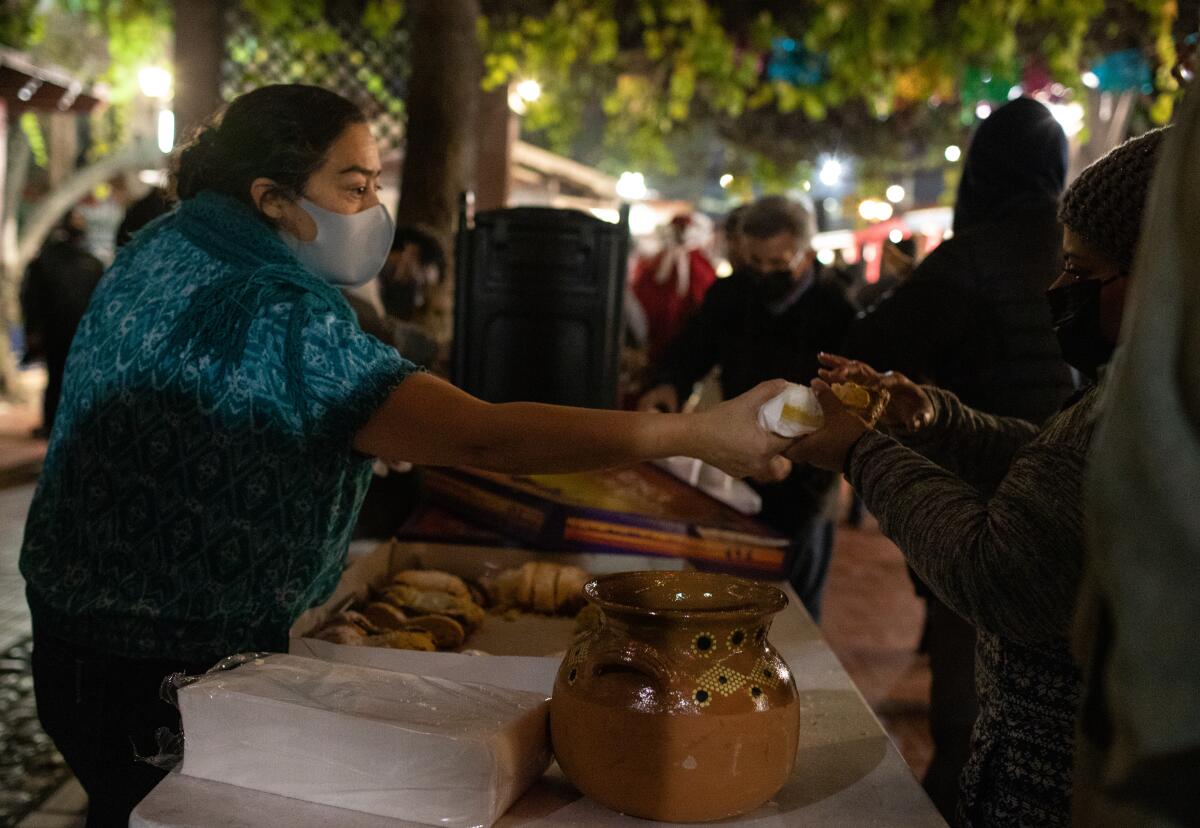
(385, 616)
(358, 619)
(545, 578)
(341, 633)
(447, 633)
(538, 586)
(467, 613)
(568, 589)
(433, 580)
(524, 596)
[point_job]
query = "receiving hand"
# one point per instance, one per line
(660, 398)
(826, 448)
(730, 438)
(908, 405)
(778, 470)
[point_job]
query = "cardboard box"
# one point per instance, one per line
(637, 509)
(520, 654)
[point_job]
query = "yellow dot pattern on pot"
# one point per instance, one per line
(766, 673)
(702, 697)
(578, 654)
(703, 644)
(737, 639)
(721, 680)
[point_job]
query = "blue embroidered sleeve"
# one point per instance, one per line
(347, 376)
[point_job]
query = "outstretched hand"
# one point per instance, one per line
(908, 406)
(827, 447)
(732, 440)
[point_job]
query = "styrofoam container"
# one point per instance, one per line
(417, 748)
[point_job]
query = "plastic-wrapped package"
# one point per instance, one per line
(422, 749)
(792, 413)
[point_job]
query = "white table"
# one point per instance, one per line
(848, 773)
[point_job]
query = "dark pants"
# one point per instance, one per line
(102, 712)
(796, 509)
(953, 706)
(813, 549)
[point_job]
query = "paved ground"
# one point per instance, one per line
(872, 619)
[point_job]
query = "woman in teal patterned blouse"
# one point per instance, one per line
(220, 410)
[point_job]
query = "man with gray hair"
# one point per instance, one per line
(768, 319)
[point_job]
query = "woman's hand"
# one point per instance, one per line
(827, 447)
(427, 421)
(729, 437)
(908, 405)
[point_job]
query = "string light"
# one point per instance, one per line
(631, 186)
(831, 172)
(155, 82)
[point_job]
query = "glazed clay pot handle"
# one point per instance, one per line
(632, 657)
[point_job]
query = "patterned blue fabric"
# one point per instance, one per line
(200, 487)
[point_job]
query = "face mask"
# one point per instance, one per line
(775, 285)
(1075, 313)
(349, 250)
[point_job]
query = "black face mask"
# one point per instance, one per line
(774, 286)
(1075, 313)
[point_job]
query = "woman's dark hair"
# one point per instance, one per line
(278, 132)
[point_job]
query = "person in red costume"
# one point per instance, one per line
(671, 285)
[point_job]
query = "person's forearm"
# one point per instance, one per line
(528, 437)
(1008, 562)
(430, 422)
(976, 446)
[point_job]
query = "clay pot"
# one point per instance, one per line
(674, 706)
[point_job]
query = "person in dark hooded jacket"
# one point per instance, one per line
(973, 319)
(54, 296)
(990, 510)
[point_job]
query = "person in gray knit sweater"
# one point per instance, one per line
(988, 510)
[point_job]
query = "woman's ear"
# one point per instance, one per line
(265, 194)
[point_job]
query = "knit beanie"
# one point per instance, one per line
(1104, 204)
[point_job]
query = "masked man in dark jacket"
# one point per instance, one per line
(768, 320)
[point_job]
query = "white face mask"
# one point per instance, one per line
(349, 250)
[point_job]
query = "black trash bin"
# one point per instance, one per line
(538, 306)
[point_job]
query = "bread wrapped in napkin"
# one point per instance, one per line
(796, 411)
